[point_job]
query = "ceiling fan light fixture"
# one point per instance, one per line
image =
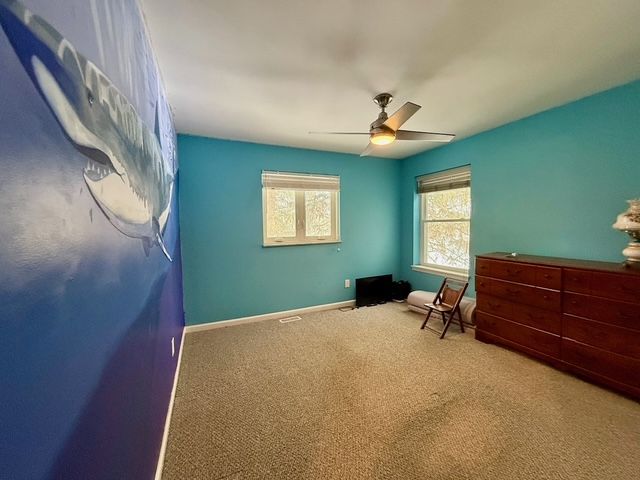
(382, 136)
(386, 129)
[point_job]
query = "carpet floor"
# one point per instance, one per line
(366, 394)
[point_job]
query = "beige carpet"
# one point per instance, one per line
(366, 394)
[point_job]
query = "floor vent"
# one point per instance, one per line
(290, 319)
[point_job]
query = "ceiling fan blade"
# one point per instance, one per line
(368, 150)
(339, 133)
(401, 115)
(425, 136)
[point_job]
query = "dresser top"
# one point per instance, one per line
(612, 267)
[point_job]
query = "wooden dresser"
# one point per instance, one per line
(580, 316)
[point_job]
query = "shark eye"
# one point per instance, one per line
(90, 98)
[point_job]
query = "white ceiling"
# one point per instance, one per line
(269, 71)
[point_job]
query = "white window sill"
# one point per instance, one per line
(292, 244)
(441, 271)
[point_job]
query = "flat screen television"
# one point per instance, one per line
(373, 290)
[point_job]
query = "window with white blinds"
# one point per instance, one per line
(300, 208)
(445, 180)
(445, 221)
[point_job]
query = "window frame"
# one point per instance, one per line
(432, 268)
(300, 208)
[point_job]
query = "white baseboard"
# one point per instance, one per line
(268, 316)
(167, 422)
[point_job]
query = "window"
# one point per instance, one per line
(445, 217)
(299, 208)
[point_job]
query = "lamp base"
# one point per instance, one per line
(632, 252)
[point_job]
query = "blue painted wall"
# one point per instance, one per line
(551, 184)
(86, 317)
(227, 272)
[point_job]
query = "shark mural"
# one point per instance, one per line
(126, 172)
(90, 327)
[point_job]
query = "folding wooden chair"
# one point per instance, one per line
(447, 302)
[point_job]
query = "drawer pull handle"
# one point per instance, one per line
(624, 314)
(513, 292)
(513, 272)
(547, 276)
(546, 297)
(574, 302)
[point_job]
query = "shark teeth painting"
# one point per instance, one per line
(125, 172)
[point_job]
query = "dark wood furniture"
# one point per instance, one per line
(447, 301)
(580, 316)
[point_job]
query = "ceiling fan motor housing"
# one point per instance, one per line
(376, 130)
(378, 122)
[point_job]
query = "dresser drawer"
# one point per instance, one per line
(607, 337)
(539, 318)
(622, 314)
(487, 268)
(532, 316)
(494, 305)
(537, 297)
(515, 272)
(484, 284)
(623, 369)
(547, 277)
(538, 340)
(578, 281)
(616, 287)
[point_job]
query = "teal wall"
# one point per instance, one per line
(550, 184)
(227, 272)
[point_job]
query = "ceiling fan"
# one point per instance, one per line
(386, 129)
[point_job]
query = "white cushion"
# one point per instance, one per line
(418, 298)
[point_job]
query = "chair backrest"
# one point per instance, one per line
(451, 292)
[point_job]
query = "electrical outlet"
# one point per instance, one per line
(347, 283)
(173, 346)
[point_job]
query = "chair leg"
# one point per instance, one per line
(446, 324)
(424, 324)
(460, 320)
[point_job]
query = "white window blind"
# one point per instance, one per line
(446, 180)
(300, 181)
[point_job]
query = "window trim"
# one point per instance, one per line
(442, 272)
(301, 238)
(431, 268)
